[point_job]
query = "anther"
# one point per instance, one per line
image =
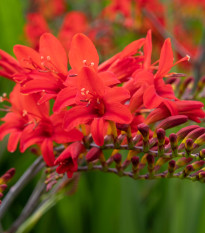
(92, 63)
(48, 58)
(42, 57)
(4, 94)
(84, 61)
(24, 113)
(188, 57)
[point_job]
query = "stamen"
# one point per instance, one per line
(98, 101)
(42, 57)
(48, 58)
(4, 94)
(92, 63)
(24, 113)
(1, 99)
(84, 61)
(188, 57)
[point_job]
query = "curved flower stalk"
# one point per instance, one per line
(101, 106)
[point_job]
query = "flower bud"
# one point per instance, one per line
(135, 161)
(150, 162)
(144, 130)
(181, 134)
(172, 121)
(202, 154)
(117, 158)
(173, 142)
(200, 140)
(93, 154)
(3, 187)
(189, 145)
(161, 136)
(188, 169)
(183, 161)
(198, 164)
(171, 166)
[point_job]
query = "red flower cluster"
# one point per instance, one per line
(89, 99)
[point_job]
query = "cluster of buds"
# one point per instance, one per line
(5, 179)
(105, 106)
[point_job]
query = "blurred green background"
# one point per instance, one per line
(103, 203)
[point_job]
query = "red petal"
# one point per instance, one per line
(148, 50)
(13, 141)
(76, 116)
(98, 130)
(65, 97)
(116, 94)
(132, 48)
(52, 48)
(118, 113)
(151, 99)
(82, 49)
(27, 57)
(166, 59)
(47, 152)
(89, 80)
(108, 78)
(42, 83)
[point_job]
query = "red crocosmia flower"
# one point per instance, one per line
(97, 104)
(192, 109)
(82, 52)
(51, 56)
(68, 159)
(74, 22)
(47, 131)
(158, 92)
(23, 112)
(149, 88)
(123, 64)
(36, 25)
(47, 69)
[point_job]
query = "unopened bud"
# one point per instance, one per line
(188, 169)
(161, 136)
(173, 142)
(3, 187)
(93, 154)
(150, 162)
(135, 161)
(171, 166)
(183, 161)
(189, 145)
(181, 134)
(201, 176)
(200, 140)
(202, 154)
(144, 130)
(172, 121)
(135, 165)
(117, 158)
(198, 164)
